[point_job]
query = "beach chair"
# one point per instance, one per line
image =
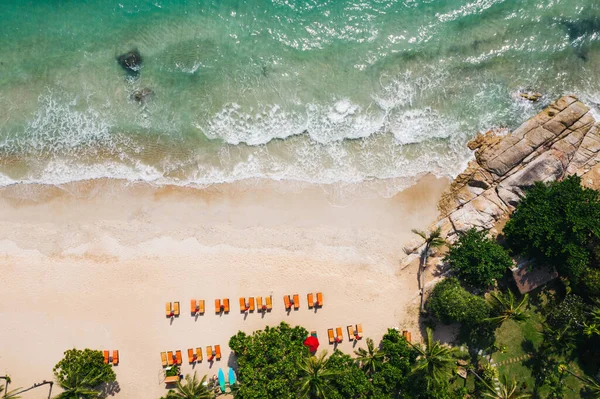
(296, 301)
(269, 301)
(217, 306)
(163, 358)
(209, 353)
(170, 359)
(338, 334)
(407, 336)
(251, 304)
(179, 357)
(226, 305)
(286, 302)
(198, 354)
(176, 308)
(259, 304)
(330, 335)
(168, 310)
(201, 306)
(350, 333)
(218, 352)
(106, 356)
(310, 299)
(193, 307)
(319, 299)
(191, 356)
(171, 379)
(243, 305)
(359, 333)
(115, 358)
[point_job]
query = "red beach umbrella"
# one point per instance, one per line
(312, 343)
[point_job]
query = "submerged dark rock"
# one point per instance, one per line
(131, 61)
(141, 95)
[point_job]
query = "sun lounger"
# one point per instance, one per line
(193, 307)
(251, 304)
(296, 301)
(359, 333)
(217, 306)
(172, 379)
(350, 332)
(170, 358)
(106, 356)
(201, 306)
(338, 334)
(163, 358)
(330, 335)
(269, 301)
(218, 351)
(209, 351)
(176, 308)
(115, 358)
(179, 357)
(198, 354)
(319, 299)
(259, 304)
(243, 305)
(407, 335)
(191, 356)
(310, 299)
(168, 310)
(286, 302)
(226, 305)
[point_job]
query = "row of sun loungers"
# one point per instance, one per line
(170, 358)
(290, 301)
(250, 304)
(114, 359)
(354, 333)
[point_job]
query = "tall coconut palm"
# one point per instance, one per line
(370, 359)
(506, 390)
(315, 378)
(435, 360)
(560, 340)
(432, 240)
(191, 389)
(591, 385)
(506, 307)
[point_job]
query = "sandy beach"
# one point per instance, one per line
(91, 265)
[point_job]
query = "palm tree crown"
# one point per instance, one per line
(370, 359)
(315, 378)
(191, 389)
(436, 360)
(506, 307)
(506, 390)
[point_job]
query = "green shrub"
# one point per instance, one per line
(590, 283)
(478, 260)
(450, 302)
(569, 311)
(82, 369)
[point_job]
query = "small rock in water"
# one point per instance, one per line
(141, 95)
(131, 60)
(531, 96)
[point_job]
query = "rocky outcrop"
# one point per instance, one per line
(562, 140)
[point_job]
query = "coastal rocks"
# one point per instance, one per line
(531, 96)
(562, 140)
(141, 95)
(130, 61)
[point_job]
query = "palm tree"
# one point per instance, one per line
(370, 359)
(506, 390)
(559, 340)
(315, 378)
(436, 360)
(432, 240)
(506, 306)
(78, 386)
(192, 389)
(591, 385)
(10, 394)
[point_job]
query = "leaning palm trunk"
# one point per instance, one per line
(432, 240)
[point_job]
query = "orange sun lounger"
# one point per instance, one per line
(269, 302)
(168, 310)
(259, 304)
(407, 335)
(209, 352)
(359, 333)
(217, 306)
(350, 332)
(170, 358)
(319, 299)
(106, 356)
(339, 336)
(179, 357)
(198, 354)
(176, 308)
(243, 307)
(310, 300)
(226, 305)
(330, 335)
(251, 304)
(218, 351)
(115, 358)
(296, 301)
(201, 306)
(193, 307)
(171, 379)
(286, 302)
(191, 356)
(163, 358)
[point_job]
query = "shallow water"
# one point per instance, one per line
(330, 92)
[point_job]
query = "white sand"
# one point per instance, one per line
(95, 269)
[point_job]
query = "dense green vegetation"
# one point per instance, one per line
(81, 372)
(450, 302)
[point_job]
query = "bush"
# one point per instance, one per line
(478, 260)
(450, 302)
(569, 311)
(82, 369)
(590, 283)
(556, 223)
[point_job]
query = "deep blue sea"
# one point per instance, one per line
(328, 92)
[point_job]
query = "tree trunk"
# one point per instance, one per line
(422, 277)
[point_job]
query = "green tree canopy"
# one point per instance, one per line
(350, 381)
(450, 302)
(556, 223)
(80, 372)
(478, 260)
(268, 361)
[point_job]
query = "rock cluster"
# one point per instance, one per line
(562, 140)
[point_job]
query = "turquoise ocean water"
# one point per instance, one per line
(330, 92)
